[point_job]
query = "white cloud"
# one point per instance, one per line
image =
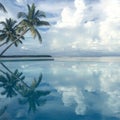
(72, 17)
(89, 26)
(21, 2)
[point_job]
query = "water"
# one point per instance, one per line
(60, 90)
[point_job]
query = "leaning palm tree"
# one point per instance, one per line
(2, 7)
(30, 22)
(9, 32)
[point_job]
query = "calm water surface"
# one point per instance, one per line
(60, 90)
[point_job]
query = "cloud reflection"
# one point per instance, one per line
(88, 86)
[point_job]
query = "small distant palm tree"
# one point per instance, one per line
(30, 22)
(9, 32)
(33, 96)
(2, 7)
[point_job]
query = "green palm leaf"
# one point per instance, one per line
(2, 37)
(42, 23)
(38, 35)
(21, 15)
(31, 20)
(40, 14)
(9, 32)
(2, 7)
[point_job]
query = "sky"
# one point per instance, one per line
(78, 27)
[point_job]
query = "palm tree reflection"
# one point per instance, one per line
(33, 97)
(10, 83)
(13, 84)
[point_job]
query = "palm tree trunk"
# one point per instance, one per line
(7, 48)
(2, 71)
(13, 74)
(13, 42)
(2, 44)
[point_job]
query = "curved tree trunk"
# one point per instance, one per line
(13, 43)
(3, 44)
(2, 71)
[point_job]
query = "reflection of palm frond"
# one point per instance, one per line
(2, 110)
(10, 82)
(36, 83)
(33, 96)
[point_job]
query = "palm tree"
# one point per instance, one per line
(32, 96)
(10, 83)
(9, 32)
(30, 22)
(2, 7)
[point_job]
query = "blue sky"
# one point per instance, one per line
(77, 26)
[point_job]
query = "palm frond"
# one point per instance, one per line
(11, 22)
(39, 36)
(42, 23)
(35, 34)
(1, 31)
(36, 83)
(43, 93)
(31, 11)
(3, 23)
(40, 14)
(22, 15)
(24, 23)
(2, 110)
(2, 37)
(28, 7)
(2, 7)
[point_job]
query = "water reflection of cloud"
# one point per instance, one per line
(72, 95)
(89, 86)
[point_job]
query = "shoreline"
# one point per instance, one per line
(14, 56)
(60, 58)
(26, 58)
